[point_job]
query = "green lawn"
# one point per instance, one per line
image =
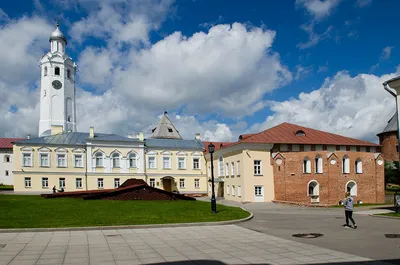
(6, 187)
(19, 211)
(391, 214)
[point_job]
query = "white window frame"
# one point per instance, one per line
(239, 192)
(99, 156)
(48, 159)
(221, 166)
(197, 183)
(193, 163)
(7, 173)
(306, 165)
(116, 157)
(58, 161)
(353, 190)
(233, 190)
(345, 165)
(152, 183)
(184, 162)
(232, 168)
(133, 157)
(46, 182)
(238, 167)
(258, 192)
(80, 183)
(28, 182)
(358, 166)
(227, 169)
(74, 157)
(315, 188)
(181, 183)
(165, 158)
(154, 158)
(227, 190)
(117, 181)
(30, 159)
(259, 167)
(61, 180)
(319, 165)
(100, 183)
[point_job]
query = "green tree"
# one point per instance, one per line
(392, 173)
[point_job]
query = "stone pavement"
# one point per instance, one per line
(228, 244)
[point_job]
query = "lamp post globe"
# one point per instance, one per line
(211, 149)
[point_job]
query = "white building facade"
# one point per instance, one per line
(7, 160)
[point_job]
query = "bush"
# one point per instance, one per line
(6, 187)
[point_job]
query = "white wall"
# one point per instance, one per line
(9, 180)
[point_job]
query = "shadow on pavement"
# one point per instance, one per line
(216, 262)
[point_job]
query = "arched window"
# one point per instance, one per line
(318, 165)
(358, 166)
(115, 160)
(57, 70)
(313, 188)
(132, 160)
(300, 133)
(346, 165)
(99, 160)
(351, 187)
(45, 70)
(306, 165)
(221, 166)
(68, 73)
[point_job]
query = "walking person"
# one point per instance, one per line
(54, 189)
(348, 209)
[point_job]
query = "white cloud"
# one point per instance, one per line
(363, 3)
(313, 37)
(387, 52)
(356, 106)
(318, 8)
(3, 16)
(302, 71)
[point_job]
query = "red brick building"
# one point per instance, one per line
(388, 138)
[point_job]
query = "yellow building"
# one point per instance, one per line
(87, 161)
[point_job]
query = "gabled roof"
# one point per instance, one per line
(175, 144)
(6, 143)
(392, 125)
(285, 133)
(74, 138)
(165, 129)
(218, 145)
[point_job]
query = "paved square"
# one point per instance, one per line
(229, 244)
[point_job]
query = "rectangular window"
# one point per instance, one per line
(258, 190)
(132, 161)
(238, 168)
(78, 161)
(152, 162)
(61, 160)
(78, 182)
(182, 183)
(233, 190)
(221, 167)
(116, 183)
(61, 182)
(181, 162)
(196, 163)
(7, 173)
(152, 183)
(45, 183)
(44, 160)
(227, 169)
(239, 191)
(197, 183)
(28, 183)
(99, 160)
(166, 162)
(257, 167)
(115, 161)
(232, 168)
(7, 159)
(27, 160)
(227, 189)
(100, 183)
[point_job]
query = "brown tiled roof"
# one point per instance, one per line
(218, 145)
(245, 136)
(6, 143)
(285, 133)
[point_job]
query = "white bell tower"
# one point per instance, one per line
(57, 87)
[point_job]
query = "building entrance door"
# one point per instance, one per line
(167, 184)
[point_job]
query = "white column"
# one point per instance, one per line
(141, 161)
(89, 159)
(107, 164)
(123, 165)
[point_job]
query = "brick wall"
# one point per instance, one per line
(389, 142)
(291, 184)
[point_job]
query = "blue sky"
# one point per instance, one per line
(349, 48)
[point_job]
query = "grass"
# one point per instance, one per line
(365, 204)
(29, 211)
(391, 191)
(6, 187)
(391, 214)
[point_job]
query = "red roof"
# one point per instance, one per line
(218, 145)
(285, 133)
(6, 143)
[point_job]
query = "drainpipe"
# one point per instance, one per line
(86, 168)
(385, 86)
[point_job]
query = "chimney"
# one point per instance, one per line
(197, 136)
(91, 132)
(56, 129)
(28, 136)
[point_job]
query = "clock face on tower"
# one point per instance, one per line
(56, 84)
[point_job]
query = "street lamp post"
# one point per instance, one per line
(211, 149)
(394, 84)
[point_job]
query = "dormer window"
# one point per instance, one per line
(57, 71)
(300, 133)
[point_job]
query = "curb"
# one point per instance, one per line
(383, 216)
(88, 228)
